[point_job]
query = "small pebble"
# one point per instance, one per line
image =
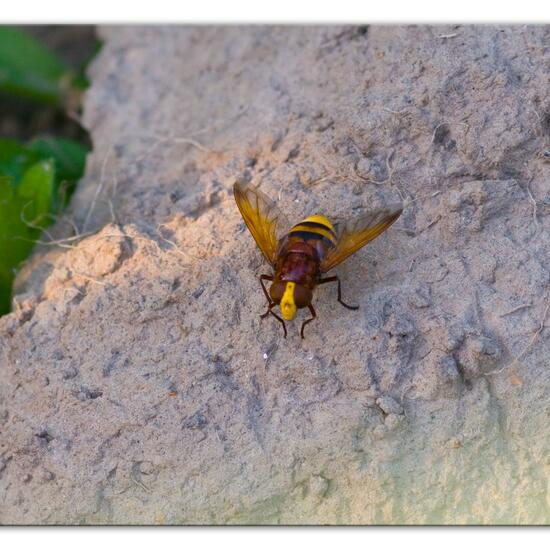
(48, 476)
(363, 167)
(146, 467)
(70, 373)
(319, 485)
(454, 443)
(454, 200)
(389, 405)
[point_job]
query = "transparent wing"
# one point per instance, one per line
(357, 233)
(263, 219)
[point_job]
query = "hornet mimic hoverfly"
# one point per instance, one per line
(301, 255)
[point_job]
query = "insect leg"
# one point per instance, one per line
(269, 308)
(313, 316)
(269, 302)
(277, 317)
(262, 279)
(332, 280)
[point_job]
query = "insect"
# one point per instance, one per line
(302, 254)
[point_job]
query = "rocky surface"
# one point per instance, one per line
(139, 384)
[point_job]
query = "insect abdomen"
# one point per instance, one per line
(315, 227)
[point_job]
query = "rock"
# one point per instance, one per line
(319, 486)
(47, 476)
(70, 373)
(454, 443)
(389, 405)
(170, 401)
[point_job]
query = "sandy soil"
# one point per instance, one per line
(139, 384)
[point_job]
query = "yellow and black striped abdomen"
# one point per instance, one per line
(316, 227)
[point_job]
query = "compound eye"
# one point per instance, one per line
(276, 292)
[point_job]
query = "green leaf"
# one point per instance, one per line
(15, 159)
(11, 250)
(36, 192)
(33, 185)
(5, 289)
(29, 69)
(69, 156)
(24, 209)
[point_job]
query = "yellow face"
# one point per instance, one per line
(288, 305)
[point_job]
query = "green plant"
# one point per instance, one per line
(28, 69)
(36, 180)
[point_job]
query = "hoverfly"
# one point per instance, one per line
(301, 255)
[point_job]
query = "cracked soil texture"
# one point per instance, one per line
(138, 383)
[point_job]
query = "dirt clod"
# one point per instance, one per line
(175, 403)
